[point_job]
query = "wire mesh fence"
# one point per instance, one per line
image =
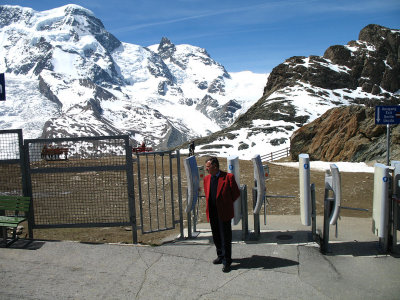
(10, 162)
(80, 181)
(11, 165)
(10, 179)
(92, 182)
(92, 197)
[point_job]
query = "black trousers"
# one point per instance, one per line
(222, 236)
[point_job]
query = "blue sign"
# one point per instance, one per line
(385, 179)
(306, 166)
(387, 115)
(2, 87)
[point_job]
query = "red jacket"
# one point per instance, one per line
(227, 192)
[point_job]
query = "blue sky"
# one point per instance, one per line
(242, 35)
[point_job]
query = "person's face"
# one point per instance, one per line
(211, 169)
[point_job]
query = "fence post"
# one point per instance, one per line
(131, 191)
(28, 188)
(189, 218)
(313, 213)
(245, 217)
(178, 167)
(256, 216)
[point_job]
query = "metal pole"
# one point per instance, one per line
(189, 217)
(196, 214)
(178, 167)
(139, 184)
(131, 189)
(245, 220)
(388, 144)
(189, 221)
(265, 211)
(148, 189)
(156, 189)
(256, 216)
(28, 186)
(395, 225)
(313, 213)
(325, 239)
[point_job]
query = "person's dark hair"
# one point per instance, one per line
(214, 161)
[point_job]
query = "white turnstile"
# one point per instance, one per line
(233, 167)
(305, 191)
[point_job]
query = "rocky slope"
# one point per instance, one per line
(346, 133)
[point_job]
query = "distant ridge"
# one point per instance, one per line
(364, 72)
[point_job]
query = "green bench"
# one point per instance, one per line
(16, 205)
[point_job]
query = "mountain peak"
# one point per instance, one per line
(77, 10)
(166, 48)
(81, 80)
(14, 14)
(380, 36)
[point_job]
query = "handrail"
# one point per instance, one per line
(276, 155)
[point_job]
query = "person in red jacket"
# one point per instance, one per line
(221, 190)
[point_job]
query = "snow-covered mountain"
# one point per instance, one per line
(301, 89)
(66, 75)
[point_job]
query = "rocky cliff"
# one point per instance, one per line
(370, 63)
(346, 133)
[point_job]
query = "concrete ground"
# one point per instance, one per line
(284, 263)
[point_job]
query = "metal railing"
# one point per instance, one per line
(159, 191)
(276, 155)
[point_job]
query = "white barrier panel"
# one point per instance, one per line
(335, 186)
(259, 176)
(305, 191)
(192, 176)
(380, 208)
(233, 167)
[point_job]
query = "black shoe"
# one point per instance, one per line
(217, 261)
(226, 268)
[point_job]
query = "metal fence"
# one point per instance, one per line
(81, 182)
(11, 163)
(92, 182)
(159, 191)
(276, 155)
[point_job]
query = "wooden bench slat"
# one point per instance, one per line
(17, 200)
(11, 225)
(16, 204)
(14, 197)
(6, 219)
(15, 207)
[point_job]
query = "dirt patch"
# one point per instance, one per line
(357, 191)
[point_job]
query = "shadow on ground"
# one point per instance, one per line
(261, 262)
(24, 244)
(359, 249)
